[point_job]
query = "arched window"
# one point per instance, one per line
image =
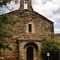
(30, 27)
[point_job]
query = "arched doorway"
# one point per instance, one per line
(29, 53)
(32, 51)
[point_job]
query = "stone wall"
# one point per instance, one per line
(42, 28)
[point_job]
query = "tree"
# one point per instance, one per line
(7, 5)
(4, 33)
(3, 22)
(3, 2)
(7, 20)
(52, 47)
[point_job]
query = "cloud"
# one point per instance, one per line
(51, 6)
(12, 6)
(56, 18)
(57, 30)
(35, 2)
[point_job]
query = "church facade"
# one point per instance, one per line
(28, 33)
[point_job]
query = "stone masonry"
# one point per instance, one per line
(28, 33)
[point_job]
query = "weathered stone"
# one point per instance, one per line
(22, 38)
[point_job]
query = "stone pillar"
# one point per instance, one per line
(30, 5)
(21, 51)
(21, 4)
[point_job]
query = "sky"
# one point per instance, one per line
(48, 8)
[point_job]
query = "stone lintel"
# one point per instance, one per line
(30, 40)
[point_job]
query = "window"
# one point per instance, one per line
(30, 27)
(25, 4)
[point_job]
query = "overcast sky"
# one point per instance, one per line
(48, 8)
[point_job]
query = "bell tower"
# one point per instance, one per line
(25, 4)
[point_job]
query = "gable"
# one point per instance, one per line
(32, 14)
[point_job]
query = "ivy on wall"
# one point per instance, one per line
(6, 20)
(3, 32)
(6, 23)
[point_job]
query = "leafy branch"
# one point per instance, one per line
(3, 20)
(50, 46)
(4, 2)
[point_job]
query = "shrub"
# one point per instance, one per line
(52, 47)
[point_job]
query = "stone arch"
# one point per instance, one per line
(31, 44)
(31, 51)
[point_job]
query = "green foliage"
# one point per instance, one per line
(7, 46)
(13, 19)
(4, 46)
(7, 20)
(6, 23)
(3, 18)
(50, 46)
(3, 2)
(3, 22)
(4, 33)
(1, 45)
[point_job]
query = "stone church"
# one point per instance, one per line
(28, 33)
